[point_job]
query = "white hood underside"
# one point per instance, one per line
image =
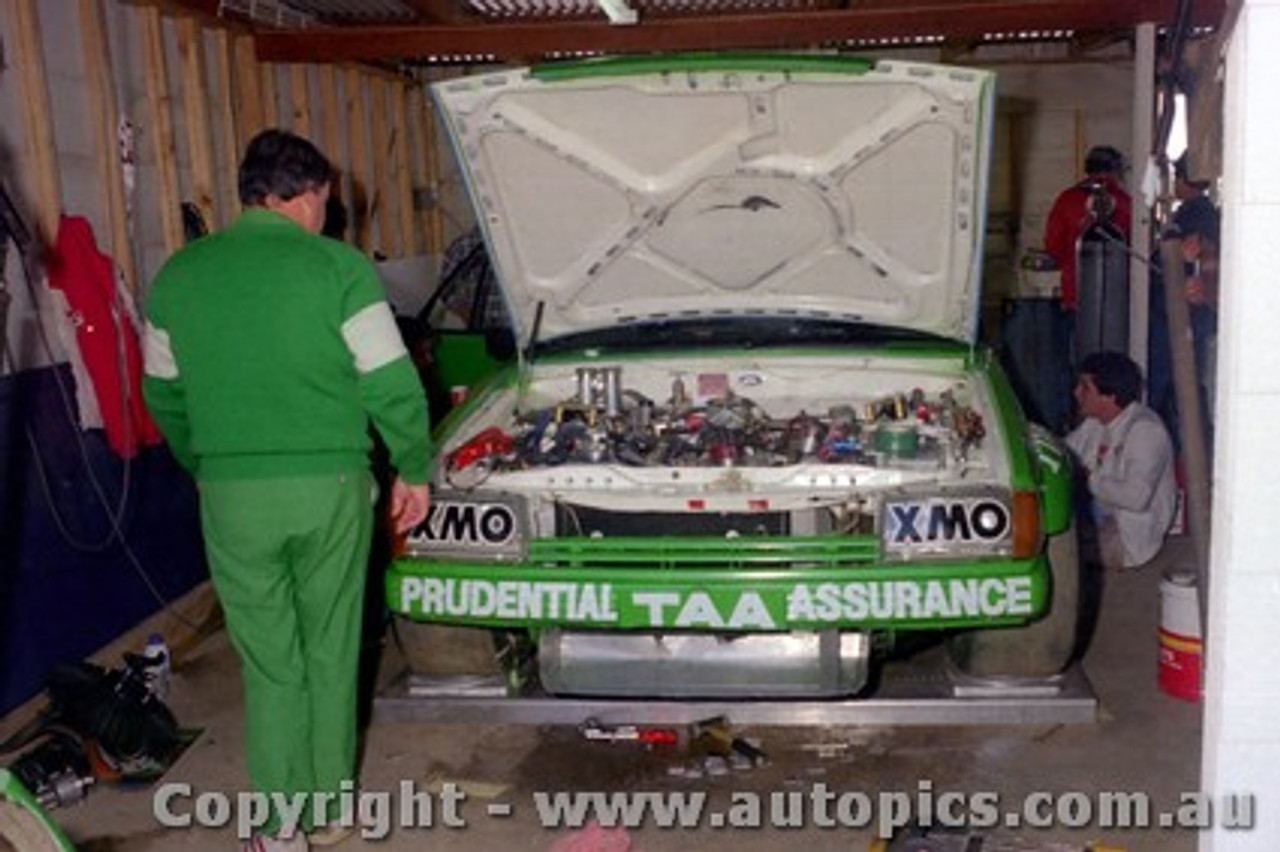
(616, 199)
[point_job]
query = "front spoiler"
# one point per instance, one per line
(907, 693)
(721, 598)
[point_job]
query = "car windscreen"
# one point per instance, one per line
(738, 332)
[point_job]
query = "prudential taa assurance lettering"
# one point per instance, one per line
(800, 604)
(514, 599)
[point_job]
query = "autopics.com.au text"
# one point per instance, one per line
(376, 813)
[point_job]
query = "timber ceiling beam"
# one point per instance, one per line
(507, 40)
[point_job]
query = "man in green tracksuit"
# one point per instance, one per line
(268, 350)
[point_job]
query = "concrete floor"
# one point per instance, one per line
(1143, 741)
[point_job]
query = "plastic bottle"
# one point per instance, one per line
(156, 653)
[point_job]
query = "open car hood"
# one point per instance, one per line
(627, 191)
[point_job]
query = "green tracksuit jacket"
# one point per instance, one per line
(268, 351)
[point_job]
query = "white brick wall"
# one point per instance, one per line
(1241, 733)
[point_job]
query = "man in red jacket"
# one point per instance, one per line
(1100, 197)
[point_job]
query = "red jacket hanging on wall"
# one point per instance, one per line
(106, 335)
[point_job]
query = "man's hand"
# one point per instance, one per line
(1202, 277)
(409, 505)
(1200, 291)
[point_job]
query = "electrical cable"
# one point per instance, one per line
(115, 515)
(1151, 262)
(64, 395)
(116, 533)
(1128, 249)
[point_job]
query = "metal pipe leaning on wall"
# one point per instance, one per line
(1187, 388)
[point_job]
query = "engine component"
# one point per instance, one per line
(472, 462)
(897, 440)
(600, 388)
(604, 422)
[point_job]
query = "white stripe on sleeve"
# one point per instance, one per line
(373, 338)
(157, 354)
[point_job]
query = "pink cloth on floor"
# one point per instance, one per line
(593, 837)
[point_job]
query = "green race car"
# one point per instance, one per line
(749, 438)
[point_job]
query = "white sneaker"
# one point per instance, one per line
(335, 830)
(331, 834)
(266, 843)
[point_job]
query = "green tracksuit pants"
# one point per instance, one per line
(288, 558)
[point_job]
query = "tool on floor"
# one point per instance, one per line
(706, 738)
(715, 737)
(22, 821)
(646, 735)
(133, 735)
(56, 771)
(100, 725)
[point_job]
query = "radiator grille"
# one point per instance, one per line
(574, 521)
(706, 553)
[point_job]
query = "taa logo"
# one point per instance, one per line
(956, 520)
(467, 523)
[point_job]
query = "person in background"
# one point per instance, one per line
(1125, 453)
(1099, 197)
(1196, 223)
(268, 351)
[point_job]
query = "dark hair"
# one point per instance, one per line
(1182, 172)
(1114, 374)
(1180, 168)
(1198, 216)
(1102, 160)
(279, 163)
(335, 218)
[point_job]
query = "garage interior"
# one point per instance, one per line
(132, 114)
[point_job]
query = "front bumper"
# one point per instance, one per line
(738, 585)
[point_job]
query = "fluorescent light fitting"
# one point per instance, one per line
(618, 12)
(267, 12)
